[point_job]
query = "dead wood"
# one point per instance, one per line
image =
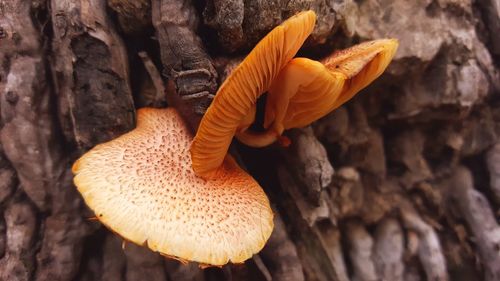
(388, 250)
(401, 183)
(90, 68)
(360, 252)
(280, 255)
(493, 162)
(18, 262)
(184, 59)
(429, 246)
(134, 16)
(309, 163)
(479, 217)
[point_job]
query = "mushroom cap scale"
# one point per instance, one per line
(237, 96)
(141, 185)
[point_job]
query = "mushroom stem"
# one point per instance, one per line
(258, 139)
(304, 91)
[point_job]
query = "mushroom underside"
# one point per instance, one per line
(237, 96)
(306, 90)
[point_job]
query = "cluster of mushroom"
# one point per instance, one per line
(189, 199)
(300, 90)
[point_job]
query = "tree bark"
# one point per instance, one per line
(401, 183)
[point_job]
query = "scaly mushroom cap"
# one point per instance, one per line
(142, 186)
(306, 90)
(239, 93)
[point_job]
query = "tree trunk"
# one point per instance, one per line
(401, 183)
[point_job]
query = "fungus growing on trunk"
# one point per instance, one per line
(233, 105)
(306, 90)
(142, 186)
(146, 184)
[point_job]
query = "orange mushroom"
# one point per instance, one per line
(142, 186)
(362, 64)
(306, 90)
(231, 109)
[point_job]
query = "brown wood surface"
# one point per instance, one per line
(401, 183)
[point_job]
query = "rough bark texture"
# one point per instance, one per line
(134, 16)
(401, 183)
(90, 68)
(183, 57)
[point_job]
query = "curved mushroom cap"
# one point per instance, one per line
(306, 90)
(303, 92)
(336, 80)
(142, 186)
(239, 93)
(362, 64)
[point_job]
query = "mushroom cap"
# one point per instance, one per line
(362, 64)
(306, 90)
(142, 186)
(238, 94)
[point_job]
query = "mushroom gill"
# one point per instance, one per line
(306, 90)
(237, 96)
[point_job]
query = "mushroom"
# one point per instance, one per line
(141, 185)
(233, 107)
(362, 64)
(306, 90)
(303, 90)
